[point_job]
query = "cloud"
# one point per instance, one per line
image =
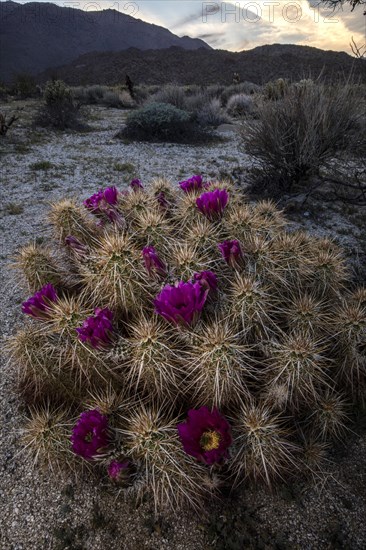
(244, 24)
(299, 24)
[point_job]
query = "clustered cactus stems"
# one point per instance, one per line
(179, 338)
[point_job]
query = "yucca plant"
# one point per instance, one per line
(193, 336)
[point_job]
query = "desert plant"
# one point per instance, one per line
(59, 109)
(102, 95)
(111, 99)
(211, 114)
(143, 92)
(130, 87)
(339, 3)
(296, 134)
(4, 92)
(5, 123)
(89, 94)
(358, 50)
(125, 100)
(276, 89)
(24, 85)
(161, 122)
(246, 88)
(187, 337)
(117, 100)
(212, 91)
(171, 94)
(197, 102)
(240, 105)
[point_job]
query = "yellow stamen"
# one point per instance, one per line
(89, 437)
(210, 440)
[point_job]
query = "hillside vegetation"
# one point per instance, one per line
(201, 66)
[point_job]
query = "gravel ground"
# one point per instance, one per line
(40, 510)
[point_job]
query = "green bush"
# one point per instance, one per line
(60, 109)
(161, 122)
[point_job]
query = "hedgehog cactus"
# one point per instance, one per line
(180, 337)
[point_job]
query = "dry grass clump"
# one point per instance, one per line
(181, 336)
(299, 130)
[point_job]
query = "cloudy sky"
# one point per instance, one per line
(237, 25)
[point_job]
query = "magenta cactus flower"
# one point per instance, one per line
(104, 204)
(110, 195)
(117, 470)
(231, 252)
(182, 303)
(160, 197)
(206, 435)
(90, 435)
(213, 203)
(38, 305)
(136, 185)
(97, 330)
(94, 202)
(192, 184)
(153, 263)
(77, 246)
(208, 278)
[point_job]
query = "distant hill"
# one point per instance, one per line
(205, 66)
(38, 35)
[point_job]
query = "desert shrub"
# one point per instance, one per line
(240, 105)
(211, 114)
(130, 85)
(205, 109)
(171, 94)
(246, 88)
(347, 179)
(89, 95)
(187, 340)
(192, 90)
(296, 134)
(96, 93)
(6, 122)
(144, 91)
(214, 90)
(276, 89)
(161, 122)
(24, 86)
(119, 100)
(356, 140)
(112, 99)
(125, 100)
(102, 95)
(304, 83)
(60, 109)
(4, 92)
(196, 102)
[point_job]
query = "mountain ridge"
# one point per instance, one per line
(38, 35)
(201, 66)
